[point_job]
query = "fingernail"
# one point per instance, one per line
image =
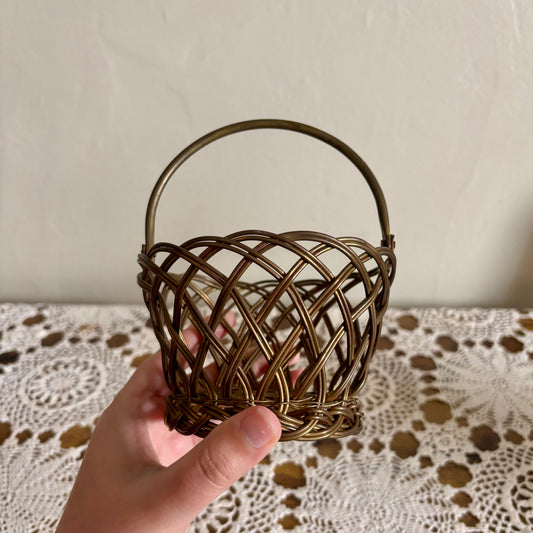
(257, 427)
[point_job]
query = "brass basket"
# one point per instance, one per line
(333, 320)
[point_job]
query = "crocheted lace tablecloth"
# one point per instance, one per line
(447, 443)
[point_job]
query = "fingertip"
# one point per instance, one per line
(192, 338)
(230, 318)
(295, 359)
(295, 374)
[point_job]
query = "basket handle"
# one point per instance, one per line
(388, 239)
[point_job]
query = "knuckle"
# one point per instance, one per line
(216, 468)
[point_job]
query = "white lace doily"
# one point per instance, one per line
(447, 443)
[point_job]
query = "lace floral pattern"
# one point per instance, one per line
(447, 443)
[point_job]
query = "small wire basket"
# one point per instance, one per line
(330, 320)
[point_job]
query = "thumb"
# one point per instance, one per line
(226, 454)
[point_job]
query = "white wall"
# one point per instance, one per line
(97, 97)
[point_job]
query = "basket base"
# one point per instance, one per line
(304, 420)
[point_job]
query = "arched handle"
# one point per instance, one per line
(388, 239)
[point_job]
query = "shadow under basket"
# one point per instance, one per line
(298, 342)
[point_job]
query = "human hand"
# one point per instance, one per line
(137, 476)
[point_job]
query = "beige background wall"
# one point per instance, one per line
(97, 97)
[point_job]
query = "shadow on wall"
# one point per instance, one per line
(520, 293)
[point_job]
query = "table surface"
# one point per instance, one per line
(447, 443)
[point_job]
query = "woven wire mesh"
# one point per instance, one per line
(317, 318)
